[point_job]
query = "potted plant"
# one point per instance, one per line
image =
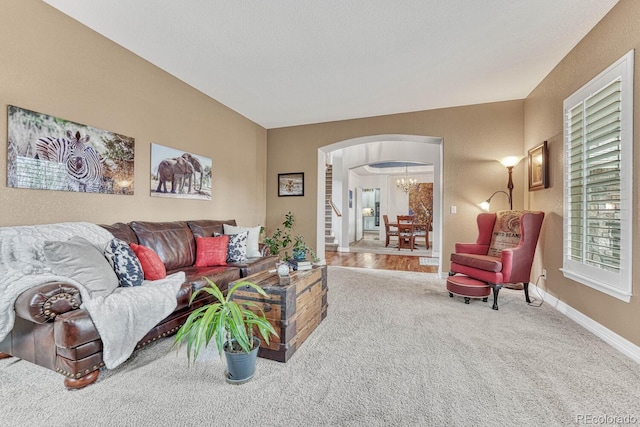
(281, 238)
(281, 241)
(300, 250)
(230, 326)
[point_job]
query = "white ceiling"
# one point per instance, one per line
(290, 62)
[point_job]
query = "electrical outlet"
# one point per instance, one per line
(544, 274)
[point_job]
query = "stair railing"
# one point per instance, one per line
(334, 207)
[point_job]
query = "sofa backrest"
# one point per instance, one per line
(208, 227)
(121, 231)
(172, 241)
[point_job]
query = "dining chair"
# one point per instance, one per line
(390, 230)
(422, 231)
(406, 236)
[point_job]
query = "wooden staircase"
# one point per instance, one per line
(330, 242)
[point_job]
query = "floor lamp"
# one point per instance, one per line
(508, 162)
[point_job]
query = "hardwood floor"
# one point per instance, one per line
(379, 262)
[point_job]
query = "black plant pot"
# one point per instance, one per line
(241, 367)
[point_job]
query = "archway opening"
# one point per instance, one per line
(350, 158)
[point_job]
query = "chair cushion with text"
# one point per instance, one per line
(506, 232)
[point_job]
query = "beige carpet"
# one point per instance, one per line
(395, 350)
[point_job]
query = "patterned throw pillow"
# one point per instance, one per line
(211, 251)
(152, 265)
(237, 251)
(506, 232)
(253, 238)
(125, 263)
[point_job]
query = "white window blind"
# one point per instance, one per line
(598, 131)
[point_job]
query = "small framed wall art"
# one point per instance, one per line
(291, 184)
(539, 167)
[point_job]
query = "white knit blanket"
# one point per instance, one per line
(121, 318)
(125, 316)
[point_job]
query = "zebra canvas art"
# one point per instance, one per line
(49, 153)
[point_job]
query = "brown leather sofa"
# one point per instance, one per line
(51, 329)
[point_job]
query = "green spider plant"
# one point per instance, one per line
(222, 322)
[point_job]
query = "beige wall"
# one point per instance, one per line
(51, 64)
(614, 36)
(474, 137)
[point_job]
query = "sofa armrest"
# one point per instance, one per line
(74, 328)
(43, 303)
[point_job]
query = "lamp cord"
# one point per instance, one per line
(531, 304)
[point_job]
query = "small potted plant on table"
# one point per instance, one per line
(281, 241)
(300, 250)
(230, 326)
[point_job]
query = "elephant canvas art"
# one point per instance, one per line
(179, 174)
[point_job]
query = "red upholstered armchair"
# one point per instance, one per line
(503, 252)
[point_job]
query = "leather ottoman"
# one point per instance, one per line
(468, 288)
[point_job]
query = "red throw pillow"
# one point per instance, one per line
(211, 251)
(152, 266)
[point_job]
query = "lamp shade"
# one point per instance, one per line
(510, 161)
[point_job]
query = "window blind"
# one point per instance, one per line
(598, 181)
(595, 181)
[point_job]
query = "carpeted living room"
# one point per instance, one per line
(394, 350)
(266, 97)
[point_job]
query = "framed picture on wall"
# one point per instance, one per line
(539, 167)
(291, 184)
(177, 174)
(51, 153)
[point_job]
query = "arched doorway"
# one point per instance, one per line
(354, 152)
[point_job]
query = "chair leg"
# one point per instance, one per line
(496, 290)
(526, 292)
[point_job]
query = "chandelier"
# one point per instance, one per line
(406, 184)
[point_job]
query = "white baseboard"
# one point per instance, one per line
(624, 346)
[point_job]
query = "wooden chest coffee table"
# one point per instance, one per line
(294, 309)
